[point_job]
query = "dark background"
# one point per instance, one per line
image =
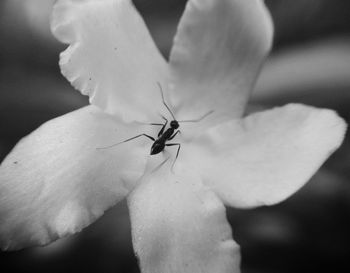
(310, 63)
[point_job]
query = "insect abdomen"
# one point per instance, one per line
(157, 147)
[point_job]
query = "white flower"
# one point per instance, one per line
(56, 181)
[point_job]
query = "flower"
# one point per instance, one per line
(56, 181)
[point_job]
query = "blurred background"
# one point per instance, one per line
(310, 63)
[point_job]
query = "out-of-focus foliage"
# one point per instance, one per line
(301, 21)
(308, 233)
(317, 73)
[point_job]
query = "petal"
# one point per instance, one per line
(178, 225)
(111, 56)
(55, 181)
(218, 51)
(266, 157)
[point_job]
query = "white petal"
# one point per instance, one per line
(111, 56)
(55, 181)
(218, 51)
(266, 157)
(178, 225)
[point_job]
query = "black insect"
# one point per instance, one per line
(163, 135)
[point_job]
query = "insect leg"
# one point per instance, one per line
(151, 138)
(160, 165)
(177, 153)
(198, 119)
(164, 125)
(170, 138)
(160, 124)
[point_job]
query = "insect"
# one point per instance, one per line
(164, 136)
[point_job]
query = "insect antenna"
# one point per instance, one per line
(198, 119)
(161, 92)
